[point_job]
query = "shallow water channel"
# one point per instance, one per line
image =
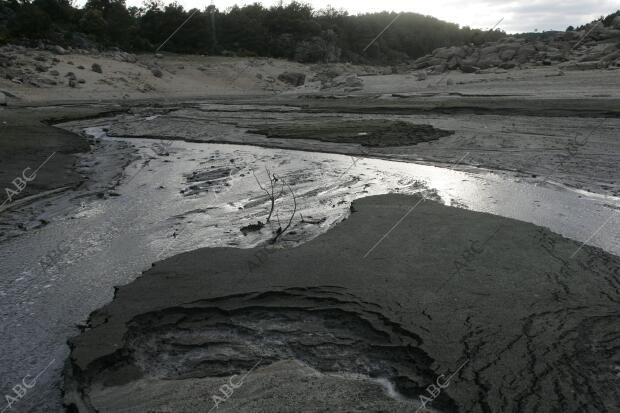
(178, 196)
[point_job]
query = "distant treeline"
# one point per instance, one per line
(293, 31)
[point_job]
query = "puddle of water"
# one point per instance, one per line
(108, 242)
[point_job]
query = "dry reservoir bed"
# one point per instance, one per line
(366, 315)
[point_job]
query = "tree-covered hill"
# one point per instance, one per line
(293, 31)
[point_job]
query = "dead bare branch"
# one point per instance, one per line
(281, 230)
(271, 195)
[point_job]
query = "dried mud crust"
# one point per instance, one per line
(536, 325)
(375, 133)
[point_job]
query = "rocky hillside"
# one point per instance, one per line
(51, 73)
(593, 47)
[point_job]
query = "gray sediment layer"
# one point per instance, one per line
(402, 292)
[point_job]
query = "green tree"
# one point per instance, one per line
(31, 21)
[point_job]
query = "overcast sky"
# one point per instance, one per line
(519, 16)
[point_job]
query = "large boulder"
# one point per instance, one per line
(525, 54)
(446, 53)
(472, 59)
(292, 78)
(507, 54)
(489, 50)
(427, 61)
(489, 60)
(96, 67)
(442, 53)
(454, 62)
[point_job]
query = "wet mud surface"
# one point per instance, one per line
(534, 323)
(365, 133)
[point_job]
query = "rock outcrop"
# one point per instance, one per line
(594, 47)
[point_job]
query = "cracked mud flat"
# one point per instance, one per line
(334, 328)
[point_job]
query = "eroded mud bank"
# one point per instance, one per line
(535, 326)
